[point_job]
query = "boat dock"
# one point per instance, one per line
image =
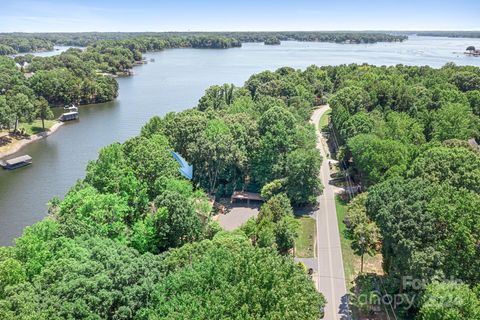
(16, 162)
(69, 116)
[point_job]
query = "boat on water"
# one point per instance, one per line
(16, 162)
(70, 107)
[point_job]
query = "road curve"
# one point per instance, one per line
(331, 277)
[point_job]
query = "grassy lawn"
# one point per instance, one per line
(36, 126)
(305, 244)
(325, 119)
(9, 141)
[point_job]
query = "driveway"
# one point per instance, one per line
(237, 214)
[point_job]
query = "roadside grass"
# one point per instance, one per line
(352, 262)
(324, 119)
(322, 124)
(347, 251)
(305, 244)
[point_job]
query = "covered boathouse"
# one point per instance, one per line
(16, 162)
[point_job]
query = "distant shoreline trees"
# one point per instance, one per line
(13, 43)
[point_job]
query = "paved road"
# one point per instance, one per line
(331, 277)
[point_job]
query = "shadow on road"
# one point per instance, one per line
(343, 309)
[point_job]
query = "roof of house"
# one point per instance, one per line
(20, 159)
(244, 195)
(70, 113)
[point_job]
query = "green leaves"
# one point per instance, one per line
(86, 279)
(97, 278)
(217, 97)
(85, 211)
(21, 107)
(455, 121)
(177, 221)
(448, 301)
(302, 172)
(275, 226)
(12, 272)
(378, 159)
(363, 232)
(250, 283)
(150, 159)
(459, 167)
(423, 225)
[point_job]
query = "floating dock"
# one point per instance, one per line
(16, 162)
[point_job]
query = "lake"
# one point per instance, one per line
(174, 82)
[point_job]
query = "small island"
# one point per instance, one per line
(272, 41)
(472, 51)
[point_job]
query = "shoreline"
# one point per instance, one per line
(18, 145)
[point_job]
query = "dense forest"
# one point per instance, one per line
(407, 136)
(141, 238)
(11, 43)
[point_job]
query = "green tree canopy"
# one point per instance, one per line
(378, 159)
(449, 300)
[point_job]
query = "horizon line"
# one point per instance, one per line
(239, 31)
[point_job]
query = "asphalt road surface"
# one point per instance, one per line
(331, 277)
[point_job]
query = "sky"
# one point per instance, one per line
(239, 15)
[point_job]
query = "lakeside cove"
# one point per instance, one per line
(11, 142)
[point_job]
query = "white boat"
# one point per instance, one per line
(70, 107)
